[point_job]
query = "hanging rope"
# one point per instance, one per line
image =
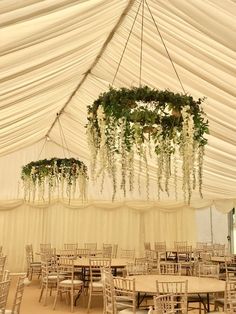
(141, 46)
(125, 46)
(44, 143)
(143, 2)
(63, 138)
(165, 47)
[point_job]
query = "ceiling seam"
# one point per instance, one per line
(104, 46)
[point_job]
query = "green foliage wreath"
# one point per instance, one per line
(121, 121)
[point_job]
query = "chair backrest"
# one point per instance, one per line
(169, 268)
(205, 255)
(83, 252)
(219, 250)
(208, 270)
(107, 250)
(151, 254)
(201, 245)
(66, 267)
(70, 246)
(230, 297)
(153, 259)
(164, 304)
(90, 246)
(127, 254)
(108, 291)
(209, 248)
(29, 254)
(95, 266)
(147, 246)
(218, 246)
(18, 295)
(125, 295)
(29, 248)
(5, 275)
(148, 263)
(4, 290)
(44, 247)
(2, 263)
(48, 266)
(184, 253)
(180, 243)
(67, 253)
(114, 250)
(179, 289)
(49, 254)
(106, 245)
(230, 269)
(160, 246)
(140, 268)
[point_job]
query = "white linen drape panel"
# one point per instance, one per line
(20, 226)
(211, 225)
(92, 224)
(130, 228)
(170, 225)
(58, 224)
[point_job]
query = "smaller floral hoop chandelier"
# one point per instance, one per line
(59, 178)
(54, 176)
(139, 120)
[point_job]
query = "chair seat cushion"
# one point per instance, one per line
(220, 301)
(129, 311)
(120, 307)
(97, 284)
(51, 278)
(69, 282)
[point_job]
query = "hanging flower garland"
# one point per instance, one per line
(54, 176)
(124, 121)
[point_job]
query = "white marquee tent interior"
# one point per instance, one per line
(57, 56)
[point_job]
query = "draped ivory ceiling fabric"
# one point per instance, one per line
(58, 56)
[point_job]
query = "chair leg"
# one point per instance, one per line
(55, 301)
(46, 294)
(89, 300)
(41, 293)
(72, 301)
(31, 274)
(200, 307)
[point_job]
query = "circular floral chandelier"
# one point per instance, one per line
(122, 122)
(52, 177)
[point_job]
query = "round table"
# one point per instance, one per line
(147, 283)
(116, 263)
(196, 285)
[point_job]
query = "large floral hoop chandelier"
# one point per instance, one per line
(128, 121)
(46, 179)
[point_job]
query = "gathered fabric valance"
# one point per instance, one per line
(223, 206)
